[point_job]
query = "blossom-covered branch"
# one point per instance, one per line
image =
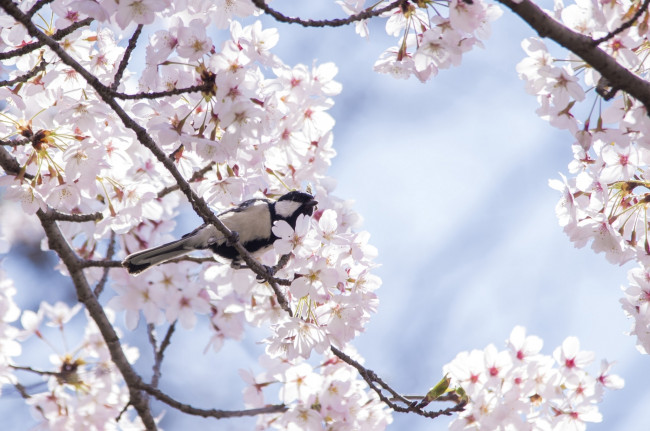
(58, 244)
(583, 46)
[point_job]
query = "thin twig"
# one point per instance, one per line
(24, 78)
(35, 371)
(22, 390)
(159, 351)
(214, 413)
(87, 263)
(16, 142)
(110, 251)
(159, 94)
(337, 22)
(627, 24)
(197, 175)
(378, 385)
(37, 6)
(60, 34)
(125, 58)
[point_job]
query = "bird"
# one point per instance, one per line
(252, 220)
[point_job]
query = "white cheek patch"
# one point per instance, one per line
(285, 209)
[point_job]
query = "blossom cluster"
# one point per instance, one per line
(605, 200)
(430, 35)
(84, 389)
(520, 388)
(327, 396)
(256, 128)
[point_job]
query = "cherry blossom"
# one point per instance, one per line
(511, 389)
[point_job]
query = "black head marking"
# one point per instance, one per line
(296, 196)
(290, 205)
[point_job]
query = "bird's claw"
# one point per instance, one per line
(232, 239)
(270, 272)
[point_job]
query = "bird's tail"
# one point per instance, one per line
(141, 261)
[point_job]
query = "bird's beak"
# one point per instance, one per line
(312, 204)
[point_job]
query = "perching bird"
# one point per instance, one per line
(252, 220)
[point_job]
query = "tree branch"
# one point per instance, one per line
(16, 142)
(583, 46)
(8, 162)
(378, 385)
(195, 177)
(158, 94)
(78, 218)
(337, 22)
(85, 295)
(24, 78)
(37, 6)
(60, 34)
(125, 58)
(110, 251)
(214, 413)
(627, 24)
(159, 351)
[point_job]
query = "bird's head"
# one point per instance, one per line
(290, 205)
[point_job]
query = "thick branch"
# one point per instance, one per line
(86, 296)
(583, 46)
(8, 162)
(78, 218)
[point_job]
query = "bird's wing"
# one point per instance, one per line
(251, 220)
(203, 237)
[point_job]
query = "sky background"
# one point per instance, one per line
(451, 178)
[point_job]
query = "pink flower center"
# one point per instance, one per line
(623, 159)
